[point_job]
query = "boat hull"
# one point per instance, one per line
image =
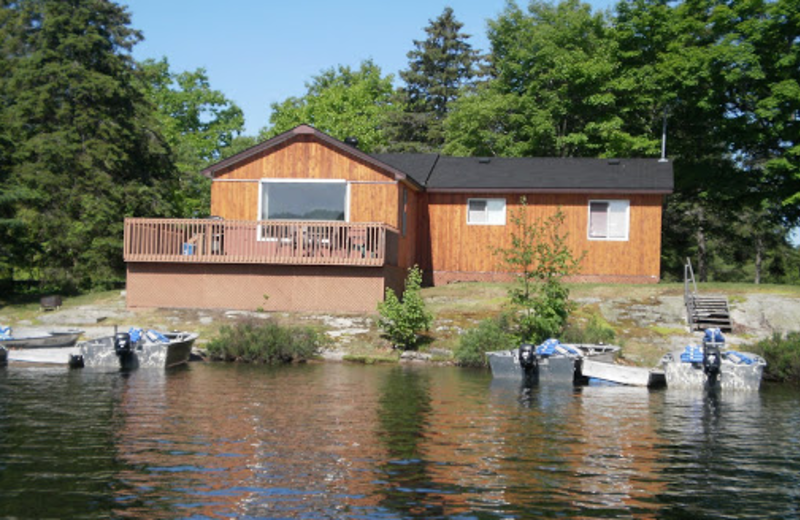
(43, 355)
(49, 340)
(732, 376)
(100, 352)
(623, 375)
(555, 368)
(505, 365)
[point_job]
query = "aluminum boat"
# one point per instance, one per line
(138, 348)
(710, 365)
(551, 361)
(54, 347)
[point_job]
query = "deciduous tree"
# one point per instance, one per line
(341, 102)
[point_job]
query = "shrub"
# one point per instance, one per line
(490, 334)
(540, 255)
(264, 342)
(595, 330)
(782, 354)
(402, 320)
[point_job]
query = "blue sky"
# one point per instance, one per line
(258, 52)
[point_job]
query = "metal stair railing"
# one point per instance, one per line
(689, 295)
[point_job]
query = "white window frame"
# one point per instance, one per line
(611, 203)
(500, 216)
(262, 182)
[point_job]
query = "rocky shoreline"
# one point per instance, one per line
(646, 327)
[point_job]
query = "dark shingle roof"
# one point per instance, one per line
(557, 174)
(418, 166)
(438, 172)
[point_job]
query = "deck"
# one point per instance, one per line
(219, 241)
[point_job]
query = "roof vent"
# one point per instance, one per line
(351, 141)
(484, 160)
(613, 162)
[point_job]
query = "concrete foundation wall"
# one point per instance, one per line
(234, 286)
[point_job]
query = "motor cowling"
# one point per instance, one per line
(122, 343)
(527, 356)
(712, 359)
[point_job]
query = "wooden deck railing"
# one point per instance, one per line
(263, 242)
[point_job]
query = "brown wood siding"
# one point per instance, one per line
(304, 158)
(456, 246)
(374, 195)
(235, 200)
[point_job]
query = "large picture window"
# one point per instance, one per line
(486, 212)
(609, 219)
(298, 200)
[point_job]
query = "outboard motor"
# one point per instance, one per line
(527, 359)
(712, 359)
(122, 344)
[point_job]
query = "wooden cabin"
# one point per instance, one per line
(305, 222)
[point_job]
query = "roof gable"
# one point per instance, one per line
(306, 131)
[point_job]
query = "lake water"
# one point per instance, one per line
(349, 441)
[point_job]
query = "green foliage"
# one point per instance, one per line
(83, 151)
(540, 256)
(554, 90)
(401, 321)
(782, 353)
(594, 330)
(341, 102)
(439, 68)
(198, 123)
(490, 334)
(264, 342)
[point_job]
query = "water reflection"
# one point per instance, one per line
(727, 453)
(344, 441)
(57, 449)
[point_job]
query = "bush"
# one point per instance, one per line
(490, 334)
(782, 355)
(264, 342)
(540, 254)
(401, 321)
(595, 330)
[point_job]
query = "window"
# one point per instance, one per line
(486, 212)
(303, 200)
(608, 219)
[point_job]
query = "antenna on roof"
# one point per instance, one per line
(664, 137)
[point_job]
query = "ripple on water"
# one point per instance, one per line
(336, 440)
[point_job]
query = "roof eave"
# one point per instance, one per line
(657, 191)
(301, 131)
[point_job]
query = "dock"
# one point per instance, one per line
(623, 375)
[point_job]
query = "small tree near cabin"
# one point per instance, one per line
(402, 320)
(541, 258)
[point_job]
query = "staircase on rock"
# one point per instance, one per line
(704, 312)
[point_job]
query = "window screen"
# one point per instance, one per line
(486, 211)
(608, 219)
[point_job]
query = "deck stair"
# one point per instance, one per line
(704, 312)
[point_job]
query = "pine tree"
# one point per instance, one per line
(83, 152)
(439, 67)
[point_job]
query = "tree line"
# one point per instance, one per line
(90, 136)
